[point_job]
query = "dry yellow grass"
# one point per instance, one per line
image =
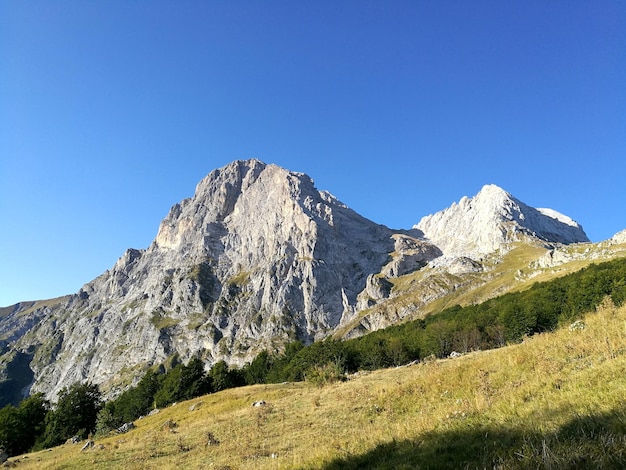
(515, 271)
(539, 404)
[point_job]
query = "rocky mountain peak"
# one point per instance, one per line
(257, 257)
(256, 210)
(491, 221)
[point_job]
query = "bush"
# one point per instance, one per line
(328, 373)
(106, 422)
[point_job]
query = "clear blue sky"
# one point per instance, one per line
(112, 111)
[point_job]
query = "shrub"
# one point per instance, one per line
(328, 373)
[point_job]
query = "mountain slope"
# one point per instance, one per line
(553, 401)
(493, 220)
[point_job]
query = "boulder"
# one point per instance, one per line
(88, 445)
(126, 427)
(196, 406)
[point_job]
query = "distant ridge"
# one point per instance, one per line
(491, 221)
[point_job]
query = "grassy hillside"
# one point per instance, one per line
(555, 401)
(431, 289)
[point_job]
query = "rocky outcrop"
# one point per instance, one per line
(460, 265)
(18, 319)
(493, 220)
(410, 253)
(619, 237)
(553, 258)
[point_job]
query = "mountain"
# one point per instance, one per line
(491, 243)
(494, 220)
(256, 258)
(259, 257)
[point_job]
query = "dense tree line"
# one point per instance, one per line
(543, 307)
(80, 412)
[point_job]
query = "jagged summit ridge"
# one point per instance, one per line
(493, 219)
(249, 214)
(248, 218)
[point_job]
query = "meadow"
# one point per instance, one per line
(556, 400)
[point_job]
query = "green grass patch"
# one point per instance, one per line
(161, 321)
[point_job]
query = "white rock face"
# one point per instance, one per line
(491, 221)
(553, 258)
(257, 257)
(619, 237)
(410, 254)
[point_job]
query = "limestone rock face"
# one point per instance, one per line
(491, 221)
(619, 237)
(410, 253)
(553, 258)
(257, 257)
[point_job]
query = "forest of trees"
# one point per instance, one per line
(35, 424)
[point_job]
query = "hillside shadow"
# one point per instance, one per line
(19, 376)
(591, 442)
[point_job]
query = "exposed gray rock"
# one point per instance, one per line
(124, 428)
(169, 425)
(619, 237)
(377, 287)
(493, 220)
(460, 265)
(196, 406)
(20, 318)
(552, 258)
(258, 256)
(410, 254)
(577, 325)
(88, 445)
